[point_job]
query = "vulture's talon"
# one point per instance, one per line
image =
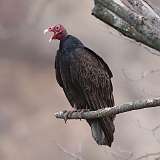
(67, 114)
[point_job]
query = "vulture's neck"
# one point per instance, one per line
(69, 43)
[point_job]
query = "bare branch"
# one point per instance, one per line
(72, 155)
(135, 19)
(148, 155)
(153, 130)
(144, 9)
(122, 155)
(142, 75)
(141, 104)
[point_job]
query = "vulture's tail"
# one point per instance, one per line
(102, 130)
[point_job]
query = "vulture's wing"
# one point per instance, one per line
(57, 69)
(91, 75)
(93, 78)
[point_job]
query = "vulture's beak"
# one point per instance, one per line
(45, 32)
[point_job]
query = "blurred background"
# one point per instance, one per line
(30, 95)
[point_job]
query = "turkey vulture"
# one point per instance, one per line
(86, 81)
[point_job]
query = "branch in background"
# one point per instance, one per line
(141, 76)
(149, 155)
(135, 19)
(152, 130)
(72, 155)
(148, 103)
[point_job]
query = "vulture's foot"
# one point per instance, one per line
(67, 114)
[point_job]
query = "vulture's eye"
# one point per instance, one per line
(57, 28)
(49, 28)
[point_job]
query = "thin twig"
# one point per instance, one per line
(73, 155)
(148, 155)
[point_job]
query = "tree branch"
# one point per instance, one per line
(148, 103)
(136, 19)
(148, 155)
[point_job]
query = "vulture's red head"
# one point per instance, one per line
(58, 31)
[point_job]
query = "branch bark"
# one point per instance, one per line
(136, 19)
(141, 104)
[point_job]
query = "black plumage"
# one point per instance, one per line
(86, 81)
